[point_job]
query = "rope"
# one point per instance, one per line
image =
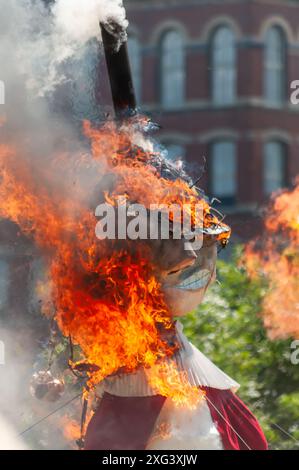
(284, 431)
(49, 415)
(258, 405)
(227, 422)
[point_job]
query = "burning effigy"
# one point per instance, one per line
(118, 299)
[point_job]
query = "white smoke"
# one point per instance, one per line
(78, 20)
(75, 23)
(36, 43)
(45, 37)
(8, 439)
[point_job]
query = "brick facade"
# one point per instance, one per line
(249, 121)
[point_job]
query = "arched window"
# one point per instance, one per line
(223, 63)
(275, 66)
(4, 282)
(274, 166)
(172, 70)
(136, 64)
(223, 175)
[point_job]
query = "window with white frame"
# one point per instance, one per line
(4, 282)
(275, 66)
(223, 66)
(274, 166)
(223, 175)
(172, 70)
(136, 65)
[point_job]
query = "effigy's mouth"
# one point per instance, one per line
(196, 281)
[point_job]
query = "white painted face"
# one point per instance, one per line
(187, 275)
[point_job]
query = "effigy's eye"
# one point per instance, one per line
(175, 271)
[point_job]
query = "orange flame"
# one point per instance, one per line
(71, 429)
(276, 256)
(169, 382)
(109, 301)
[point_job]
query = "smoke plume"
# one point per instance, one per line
(44, 50)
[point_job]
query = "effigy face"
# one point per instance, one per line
(185, 275)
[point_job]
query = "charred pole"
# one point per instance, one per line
(119, 70)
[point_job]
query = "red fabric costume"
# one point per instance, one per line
(126, 423)
(130, 414)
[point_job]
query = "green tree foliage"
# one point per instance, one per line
(228, 328)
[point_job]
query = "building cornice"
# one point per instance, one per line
(206, 105)
(158, 4)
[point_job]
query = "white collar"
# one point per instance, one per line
(201, 372)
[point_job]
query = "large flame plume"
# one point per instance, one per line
(276, 256)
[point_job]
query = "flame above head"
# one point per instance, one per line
(138, 174)
(276, 256)
(107, 300)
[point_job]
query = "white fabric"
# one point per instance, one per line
(200, 371)
(181, 428)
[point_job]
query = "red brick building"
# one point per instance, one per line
(217, 75)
